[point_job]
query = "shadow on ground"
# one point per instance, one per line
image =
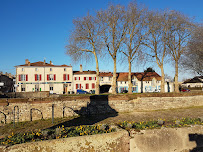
(97, 110)
(198, 138)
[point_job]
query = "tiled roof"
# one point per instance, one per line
(84, 72)
(141, 76)
(194, 80)
(105, 74)
(41, 64)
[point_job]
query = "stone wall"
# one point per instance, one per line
(168, 140)
(40, 94)
(115, 142)
(70, 106)
(151, 140)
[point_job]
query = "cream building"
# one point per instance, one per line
(42, 76)
(85, 80)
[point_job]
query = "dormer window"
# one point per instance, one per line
(22, 69)
(64, 69)
(50, 69)
(36, 69)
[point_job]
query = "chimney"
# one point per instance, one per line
(80, 67)
(44, 62)
(50, 62)
(26, 61)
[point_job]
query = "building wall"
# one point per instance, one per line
(80, 81)
(44, 84)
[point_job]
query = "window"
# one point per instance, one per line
(23, 77)
(78, 86)
(134, 83)
(90, 78)
(38, 77)
(77, 78)
(51, 88)
(36, 69)
(50, 69)
(64, 69)
(22, 69)
(121, 82)
(22, 87)
(125, 82)
(36, 87)
(93, 86)
(51, 77)
(65, 77)
(101, 78)
(109, 78)
(87, 86)
(133, 88)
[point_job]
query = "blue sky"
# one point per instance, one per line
(38, 29)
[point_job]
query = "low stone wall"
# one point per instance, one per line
(40, 94)
(26, 109)
(115, 142)
(151, 140)
(168, 140)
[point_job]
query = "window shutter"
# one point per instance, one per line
(80, 86)
(26, 77)
(40, 77)
(93, 85)
(54, 76)
(95, 78)
(79, 78)
(47, 77)
(75, 78)
(84, 78)
(19, 77)
(87, 86)
(68, 76)
(35, 77)
(90, 78)
(76, 86)
(64, 77)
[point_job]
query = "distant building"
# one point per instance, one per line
(194, 82)
(42, 76)
(7, 82)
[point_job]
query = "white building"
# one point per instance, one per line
(42, 76)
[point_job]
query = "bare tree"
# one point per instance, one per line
(113, 21)
(156, 40)
(135, 18)
(193, 57)
(177, 38)
(85, 40)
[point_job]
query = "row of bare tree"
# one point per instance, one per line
(133, 32)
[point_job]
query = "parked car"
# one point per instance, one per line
(92, 92)
(185, 90)
(80, 91)
(124, 91)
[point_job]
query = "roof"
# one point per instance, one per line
(105, 74)
(141, 76)
(84, 72)
(41, 64)
(194, 80)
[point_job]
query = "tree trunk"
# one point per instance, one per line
(114, 77)
(162, 79)
(97, 91)
(129, 77)
(176, 77)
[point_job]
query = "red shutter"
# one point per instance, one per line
(76, 86)
(40, 77)
(19, 77)
(68, 76)
(79, 78)
(26, 77)
(87, 86)
(75, 78)
(90, 78)
(54, 76)
(47, 77)
(35, 77)
(93, 85)
(80, 86)
(95, 78)
(64, 77)
(84, 78)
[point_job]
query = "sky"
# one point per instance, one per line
(39, 29)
